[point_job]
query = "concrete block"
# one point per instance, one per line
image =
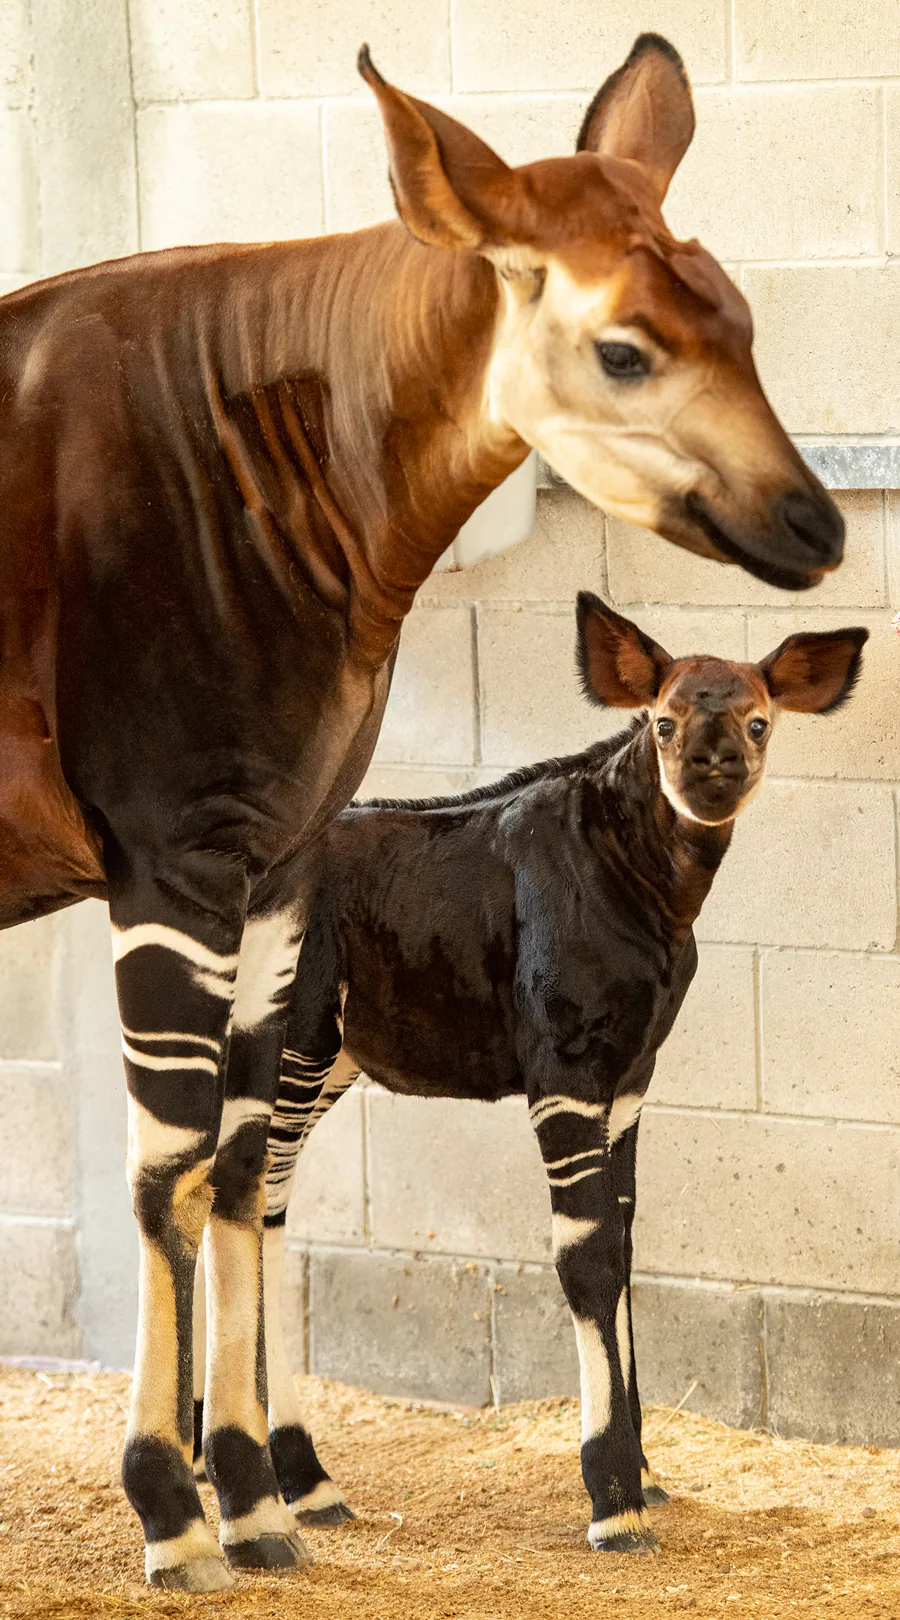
(39, 1285)
(456, 1177)
(313, 53)
(184, 53)
(401, 1326)
(430, 713)
(37, 1174)
(85, 143)
(523, 719)
(564, 554)
(15, 53)
(811, 863)
(508, 46)
(892, 162)
(521, 130)
(752, 1199)
(294, 1308)
(328, 1203)
(229, 172)
(643, 570)
(831, 1034)
(723, 194)
(686, 1333)
(19, 189)
(862, 739)
(809, 39)
(26, 992)
(826, 345)
(832, 1370)
(709, 1060)
(534, 1343)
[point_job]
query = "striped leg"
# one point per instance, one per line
(257, 1529)
(624, 1154)
(175, 994)
(588, 1245)
(306, 1092)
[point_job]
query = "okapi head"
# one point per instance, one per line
(711, 719)
(621, 354)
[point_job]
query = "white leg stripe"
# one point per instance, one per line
(268, 962)
(596, 1384)
(170, 1036)
(546, 1107)
(150, 1141)
(146, 1060)
(623, 1338)
(569, 1181)
(325, 1494)
(623, 1114)
(568, 1231)
(236, 1111)
(214, 973)
(271, 1516)
(560, 1164)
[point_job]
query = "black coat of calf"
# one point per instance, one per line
(536, 936)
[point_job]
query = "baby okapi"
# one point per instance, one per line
(536, 936)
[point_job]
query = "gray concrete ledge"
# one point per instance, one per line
(839, 463)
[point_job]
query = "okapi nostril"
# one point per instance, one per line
(816, 523)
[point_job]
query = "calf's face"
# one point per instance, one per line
(711, 718)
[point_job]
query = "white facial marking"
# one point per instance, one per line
(268, 961)
(568, 1230)
(623, 1114)
(596, 1381)
(212, 972)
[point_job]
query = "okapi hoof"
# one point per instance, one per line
(623, 1533)
(197, 1575)
(323, 1505)
(654, 1493)
(271, 1552)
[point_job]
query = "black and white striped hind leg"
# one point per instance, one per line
(307, 1090)
(574, 1133)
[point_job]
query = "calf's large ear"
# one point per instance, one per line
(643, 112)
(619, 666)
(450, 189)
(814, 674)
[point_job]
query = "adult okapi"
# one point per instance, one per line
(225, 472)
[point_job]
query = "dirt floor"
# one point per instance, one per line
(461, 1513)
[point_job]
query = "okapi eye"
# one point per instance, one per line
(622, 360)
(665, 730)
(758, 729)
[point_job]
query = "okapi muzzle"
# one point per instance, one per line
(712, 718)
(620, 353)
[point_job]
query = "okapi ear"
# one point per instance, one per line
(643, 112)
(815, 674)
(619, 666)
(443, 177)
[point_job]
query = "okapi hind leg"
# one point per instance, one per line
(307, 1090)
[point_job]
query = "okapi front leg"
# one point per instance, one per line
(175, 995)
(258, 1530)
(588, 1249)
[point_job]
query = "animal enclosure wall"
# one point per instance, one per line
(769, 1168)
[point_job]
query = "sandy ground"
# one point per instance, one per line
(461, 1513)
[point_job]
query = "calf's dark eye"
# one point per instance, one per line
(622, 360)
(758, 729)
(665, 730)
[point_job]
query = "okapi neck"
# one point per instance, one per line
(669, 858)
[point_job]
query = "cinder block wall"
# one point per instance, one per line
(770, 1157)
